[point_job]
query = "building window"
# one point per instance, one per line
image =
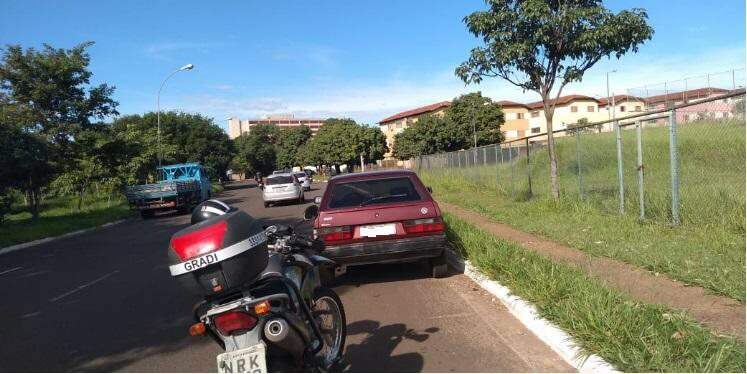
(622, 108)
(535, 130)
(637, 108)
(535, 114)
(399, 125)
(574, 109)
(590, 108)
(519, 115)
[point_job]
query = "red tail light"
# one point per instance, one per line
(333, 234)
(196, 243)
(229, 322)
(418, 226)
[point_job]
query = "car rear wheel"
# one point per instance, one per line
(301, 199)
(267, 205)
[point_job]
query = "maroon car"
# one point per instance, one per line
(381, 216)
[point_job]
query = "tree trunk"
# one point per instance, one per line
(555, 188)
(34, 203)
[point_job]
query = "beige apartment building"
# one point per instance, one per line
(397, 123)
(516, 116)
(237, 126)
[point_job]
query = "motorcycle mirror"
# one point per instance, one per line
(318, 200)
(311, 212)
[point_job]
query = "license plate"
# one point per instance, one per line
(378, 230)
(248, 360)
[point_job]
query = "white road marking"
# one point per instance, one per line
(66, 294)
(10, 270)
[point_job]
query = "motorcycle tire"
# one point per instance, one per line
(329, 298)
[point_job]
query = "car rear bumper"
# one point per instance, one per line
(394, 250)
(280, 196)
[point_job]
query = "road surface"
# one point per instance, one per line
(104, 301)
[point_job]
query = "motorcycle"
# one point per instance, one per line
(283, 319)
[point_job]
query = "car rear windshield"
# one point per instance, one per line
(375, 191)
(279, 179)
(300, 175)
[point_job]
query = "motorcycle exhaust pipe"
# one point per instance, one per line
(280, 334)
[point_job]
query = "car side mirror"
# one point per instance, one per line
(430, 190)
(311, 212)
(318, 200)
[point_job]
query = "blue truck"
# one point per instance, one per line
(179, 186)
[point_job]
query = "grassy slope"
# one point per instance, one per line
(59, 216)
(708, 249)
(631, 336)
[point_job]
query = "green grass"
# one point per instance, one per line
(630, 335)
(59, 216)
(216, 187)
(707, 250)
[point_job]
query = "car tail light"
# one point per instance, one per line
(424, 225)
(229, 322)
(196, 243)
(334, 234)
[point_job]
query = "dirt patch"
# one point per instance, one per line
(720, 313)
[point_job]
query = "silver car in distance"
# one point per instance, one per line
(282, 187)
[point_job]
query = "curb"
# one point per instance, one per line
(560, 342)
(32, 243)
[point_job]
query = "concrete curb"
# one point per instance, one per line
(526, 313)
(16, 247)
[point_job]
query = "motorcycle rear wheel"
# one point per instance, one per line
(330, 317)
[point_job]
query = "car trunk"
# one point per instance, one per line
(379, 221)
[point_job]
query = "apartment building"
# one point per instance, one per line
(397, 123)
(237, 126)
(716, 109)
(516, 117)
(569, 110)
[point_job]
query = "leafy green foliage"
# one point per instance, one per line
(289, 141)
(255, 150)
(343, 141)
(468, 115)
(46, 103)
(184, 138)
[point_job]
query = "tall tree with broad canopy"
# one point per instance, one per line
(475, 115)
(289, 142)
(542, 45)
(255, 150)
(343, 141)
(47, 95)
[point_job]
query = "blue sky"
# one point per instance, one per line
(359, 59)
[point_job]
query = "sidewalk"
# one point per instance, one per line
(720, 313)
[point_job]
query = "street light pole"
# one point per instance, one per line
(158, 107)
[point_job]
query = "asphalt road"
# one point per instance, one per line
(104, 301)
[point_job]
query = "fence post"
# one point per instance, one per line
(621, 187)
(510, 161)
(674, 167)
(497, 165)
(529, 168)
(484, 155)
(578, 165)
(639, 146)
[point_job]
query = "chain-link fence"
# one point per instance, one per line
(683, 162)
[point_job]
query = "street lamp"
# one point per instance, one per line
(158, 106)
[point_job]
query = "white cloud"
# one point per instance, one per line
(164, 50)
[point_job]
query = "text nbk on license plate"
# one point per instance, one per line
(247, 360)
(378, 230)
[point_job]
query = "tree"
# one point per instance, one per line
(343, 141)
(430, 134)
(185, 137)
(46, 95)
(289, 142)
(475, 115)
(255, 151)
(540, 45)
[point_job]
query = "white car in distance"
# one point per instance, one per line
(282, 187)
